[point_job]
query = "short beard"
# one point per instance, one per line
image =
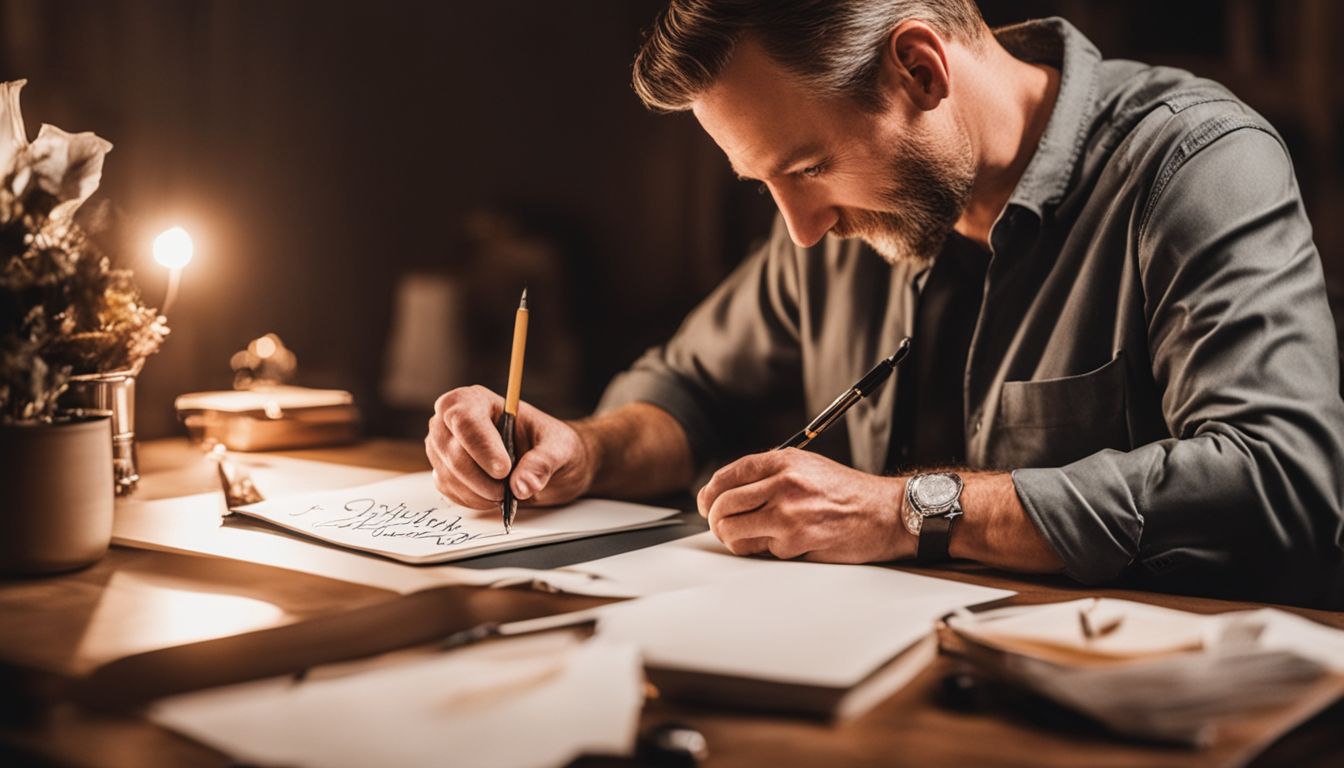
(927, 191)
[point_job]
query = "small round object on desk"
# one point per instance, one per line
(672, 745)
(964, 691)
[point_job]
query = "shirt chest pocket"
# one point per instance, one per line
(1052, 422)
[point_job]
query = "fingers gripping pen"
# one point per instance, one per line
(508, 419)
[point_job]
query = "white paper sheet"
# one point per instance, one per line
(1148, 630)
(406, 519)
(281, 475)
(792, 622)
(1288, 631)
(1143, 630)
(194, 525)
(1163, 674)
(688, 562)
(527, 702)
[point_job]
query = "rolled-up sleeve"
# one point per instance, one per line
(1245, 497)
(739, 347)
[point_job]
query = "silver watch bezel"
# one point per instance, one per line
(916, 511)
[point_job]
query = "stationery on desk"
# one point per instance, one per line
(508, 506)
(1154, 673)
(406, 519)
(193, 525)
(823, 640)
(849, 398)
(270, 418)
(746, 632)
(820, 640)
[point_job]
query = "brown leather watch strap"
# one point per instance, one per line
(934, 534)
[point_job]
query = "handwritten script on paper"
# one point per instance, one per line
(406, 519)
(382, 520)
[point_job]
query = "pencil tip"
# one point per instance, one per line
(523, 301)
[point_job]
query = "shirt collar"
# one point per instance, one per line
(1058, 43)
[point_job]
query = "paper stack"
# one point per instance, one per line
(823, 640)
(1151, 673)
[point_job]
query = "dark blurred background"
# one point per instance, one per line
(375, 181)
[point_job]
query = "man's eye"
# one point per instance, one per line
(812, 171)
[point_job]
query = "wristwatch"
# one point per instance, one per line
(932, 504)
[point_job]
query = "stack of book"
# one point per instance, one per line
(270, 419)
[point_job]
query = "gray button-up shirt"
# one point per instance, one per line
(1154, 359)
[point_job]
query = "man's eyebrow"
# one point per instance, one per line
(794, 157)
(782, 166)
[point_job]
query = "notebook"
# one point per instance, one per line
(826, 641)
(404, 518)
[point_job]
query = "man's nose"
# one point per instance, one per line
(808, 220)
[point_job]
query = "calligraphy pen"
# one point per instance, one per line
(865, 387)
(509, 505)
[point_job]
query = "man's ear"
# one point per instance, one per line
(914, 63)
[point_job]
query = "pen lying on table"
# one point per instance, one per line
(582, 620)
(579, 621)
(865, 386)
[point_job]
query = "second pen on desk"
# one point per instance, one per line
(865, 386)
(509, 505)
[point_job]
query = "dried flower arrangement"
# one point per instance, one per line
(64, 309)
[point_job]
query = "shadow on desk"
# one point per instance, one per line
(585, 550)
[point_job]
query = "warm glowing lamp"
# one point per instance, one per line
(173, 249)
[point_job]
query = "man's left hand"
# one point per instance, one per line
(796, 504)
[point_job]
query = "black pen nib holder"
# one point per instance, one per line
(509, 506)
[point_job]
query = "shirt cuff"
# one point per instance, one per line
(1087, 515)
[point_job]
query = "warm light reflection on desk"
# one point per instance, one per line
(143, 611)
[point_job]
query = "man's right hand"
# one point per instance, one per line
(555, 464)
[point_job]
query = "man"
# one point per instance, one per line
(1122, 344)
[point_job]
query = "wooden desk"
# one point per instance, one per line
(43, 623)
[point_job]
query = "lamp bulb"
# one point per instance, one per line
(173, 248)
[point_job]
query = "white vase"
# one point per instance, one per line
(57, 481)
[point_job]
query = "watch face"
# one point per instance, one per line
(930, 495)
(935, 492)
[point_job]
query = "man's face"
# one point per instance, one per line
(899, 179)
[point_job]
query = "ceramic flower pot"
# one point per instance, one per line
(57, 482)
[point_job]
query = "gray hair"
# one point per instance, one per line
(835, 46)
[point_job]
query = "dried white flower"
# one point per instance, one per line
(13, 140)
(68, 166)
